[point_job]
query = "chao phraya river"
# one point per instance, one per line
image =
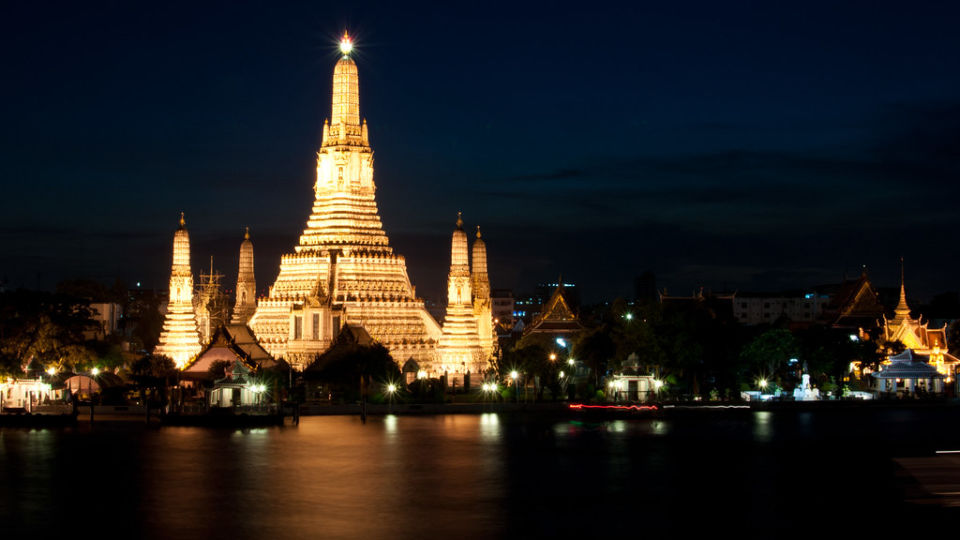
(484, 475)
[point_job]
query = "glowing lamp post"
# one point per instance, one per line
(516, 387)
(391, 390)
(657, 385)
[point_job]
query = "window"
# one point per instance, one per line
(316, 326)
(297, 327)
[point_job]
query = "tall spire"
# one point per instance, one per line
(246, 301)
(345, 250)
(902, 310)
(459, 261)
(180, 339)
(482, 308)
(346, 88)
(459, 347)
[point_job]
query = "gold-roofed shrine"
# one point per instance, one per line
(916, 336)
(556, 317)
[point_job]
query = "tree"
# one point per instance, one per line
(768, 354)
(595, 348)
(43, 327)
(345, 364)
(154, 372)
(953, 337)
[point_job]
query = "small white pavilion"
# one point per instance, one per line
(907, 374)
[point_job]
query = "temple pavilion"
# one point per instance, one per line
(343, 270)
(908, 374)
(556, 317)
(229, 343)
(927, 343)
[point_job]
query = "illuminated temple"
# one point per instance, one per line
(180, 339)
(343, 270)
(460, 349)
(482, 305)
(246, 284)
(916, 336)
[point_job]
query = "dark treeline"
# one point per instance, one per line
(697, 349)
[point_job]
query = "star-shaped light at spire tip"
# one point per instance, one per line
(346, 44)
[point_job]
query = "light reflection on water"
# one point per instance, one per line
(411, 476)
(763, 426)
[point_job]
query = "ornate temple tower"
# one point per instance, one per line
(246, 302)
(343, 270)
(482, 307)
(180, 339)
(460, 349)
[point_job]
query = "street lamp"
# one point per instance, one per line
(391, 389)
(516, 387)
(553, 356)
(657, 384)
(763, 384)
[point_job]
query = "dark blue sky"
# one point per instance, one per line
(731, 145)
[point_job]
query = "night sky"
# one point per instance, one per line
(749, 146)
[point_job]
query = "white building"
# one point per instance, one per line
(767, 308)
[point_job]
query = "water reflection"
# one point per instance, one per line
(390, 424)
(762, 426)
(489, 427)
(483, 475)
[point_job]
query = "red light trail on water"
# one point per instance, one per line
(578, 406)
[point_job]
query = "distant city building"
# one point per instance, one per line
(107, 316)
(645, 288)
(765, 308)
(180, 340)
(503, 305)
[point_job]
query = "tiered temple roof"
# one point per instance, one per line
(855, 305)
(344, 256)
(180, 339)
(460, 350)
(556, 316)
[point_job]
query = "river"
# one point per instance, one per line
(486, 475)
